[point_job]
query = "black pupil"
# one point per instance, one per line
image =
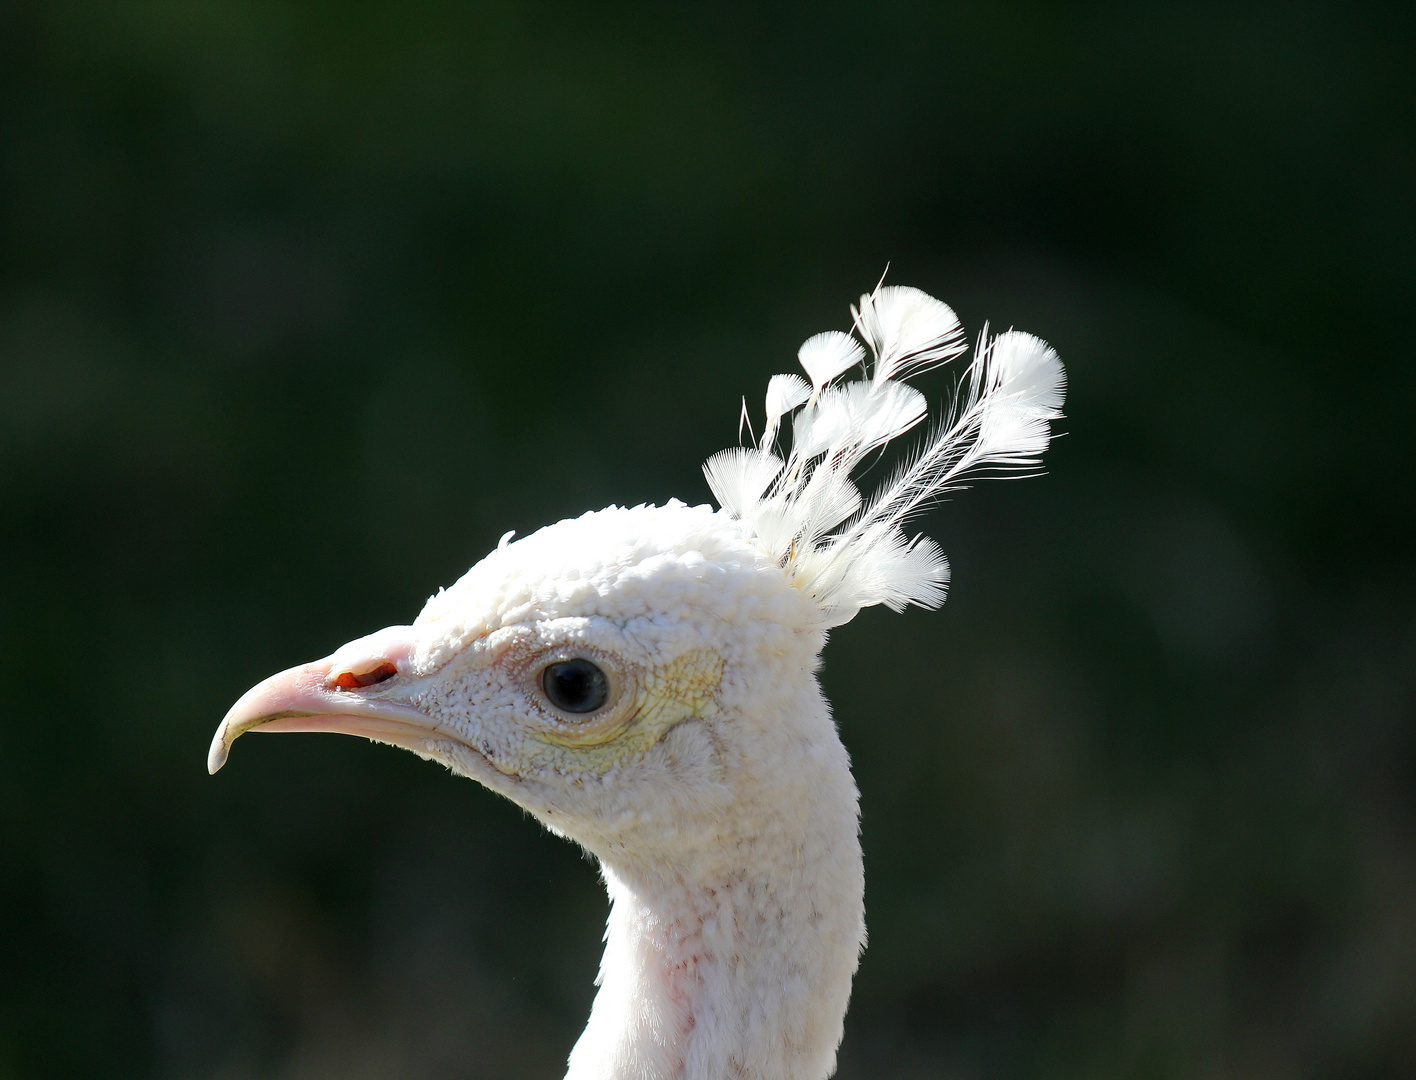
(576, 686)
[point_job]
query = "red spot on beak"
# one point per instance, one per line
(349, 680)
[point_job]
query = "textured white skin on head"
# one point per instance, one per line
(729, 846)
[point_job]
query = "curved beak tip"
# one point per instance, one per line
(299, 691)
(219, 752)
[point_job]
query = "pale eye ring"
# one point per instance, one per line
(575, 685)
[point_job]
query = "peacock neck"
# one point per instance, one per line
(736, 961)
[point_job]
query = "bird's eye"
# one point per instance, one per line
(575, 686)
(350, 680)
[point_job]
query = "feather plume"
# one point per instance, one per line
(738, 477)
(849, 552)
(908, 330)
(784, 393)
(824, 356)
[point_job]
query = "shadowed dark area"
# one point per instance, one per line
(304, 304)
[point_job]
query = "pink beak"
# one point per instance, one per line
(311, 698)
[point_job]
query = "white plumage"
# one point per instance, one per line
(643, 681)
(808, 514)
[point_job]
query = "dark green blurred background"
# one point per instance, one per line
(302, 305)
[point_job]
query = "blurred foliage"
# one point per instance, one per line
(303, 304)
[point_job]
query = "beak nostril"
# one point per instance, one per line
(350, 680)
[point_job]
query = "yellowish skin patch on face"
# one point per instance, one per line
(680, 690)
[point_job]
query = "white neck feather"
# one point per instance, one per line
(735, 961)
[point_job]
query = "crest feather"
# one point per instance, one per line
(908, 331)
(826, 355)
(844, 550)
(738, 477)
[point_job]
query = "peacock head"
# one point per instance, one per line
(609, 673)
(629, 675)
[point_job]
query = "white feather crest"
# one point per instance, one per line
(848, 552)
(824, 356)
(908, 330)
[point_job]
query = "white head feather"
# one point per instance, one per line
(807, 514)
